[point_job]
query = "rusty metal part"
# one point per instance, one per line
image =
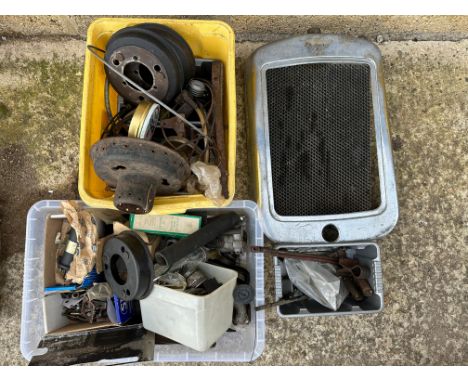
(139, 65)
(281, 302)
(119, 123)
(187, 99)
(365, 287)
(93, 50)
(138, 170)
(203, 121)
(87, 311)
(347, 262)
(352, 268)
(175, 124)
(307, 256)
(154, 57)
(217, 83)
(184, 147)
(182, 106)
(359, 272)
(186, 142)
(351, 287)
(144, 120)
(355, 279)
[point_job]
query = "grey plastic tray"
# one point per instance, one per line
(368, 255)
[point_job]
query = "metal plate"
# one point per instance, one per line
(110, 346)
(283, 219)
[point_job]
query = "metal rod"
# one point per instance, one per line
(217, 83)
(307, 256)
(57, 216)
(280, 302)
(153, 98)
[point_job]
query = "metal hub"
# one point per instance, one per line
(141, 67)
(127, 266)
(138, 170)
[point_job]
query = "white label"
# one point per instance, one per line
(182, 225)
(71, 247)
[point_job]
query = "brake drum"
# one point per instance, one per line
(138, 170)
(153, 56)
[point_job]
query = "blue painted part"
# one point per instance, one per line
(60, 288)
(91, 278)
(124, 310)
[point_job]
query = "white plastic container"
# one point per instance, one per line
(194, 321)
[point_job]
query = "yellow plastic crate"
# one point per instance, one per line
(208, 39)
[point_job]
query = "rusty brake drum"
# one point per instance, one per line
(138, 170)
(153, 56)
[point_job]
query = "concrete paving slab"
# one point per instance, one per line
(424, 258)
(266, 27)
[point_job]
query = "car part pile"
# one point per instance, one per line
(319, 282)
(322, 170)
(135, 267)
(87, 311)
(173, 254)
(169, 118)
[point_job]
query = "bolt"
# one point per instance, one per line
(241, 316)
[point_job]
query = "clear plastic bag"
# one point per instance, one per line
(209, 180)
(100, 291)
(317, 281)
(172, 280)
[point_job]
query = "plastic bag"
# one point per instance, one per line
(172, 280)
(209, 180)
(100, 291)
(317, 281)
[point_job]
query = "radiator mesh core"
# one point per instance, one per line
(321, 138)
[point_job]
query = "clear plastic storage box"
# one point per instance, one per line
(243, 345)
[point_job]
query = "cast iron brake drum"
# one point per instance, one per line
(152, 55)
(138, 170)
